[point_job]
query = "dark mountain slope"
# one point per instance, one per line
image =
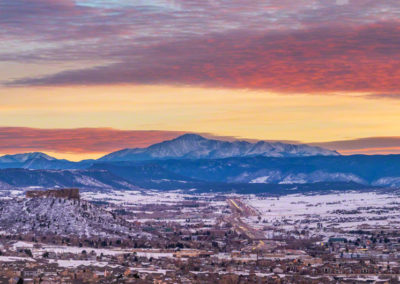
(85, 179)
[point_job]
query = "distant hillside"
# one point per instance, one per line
(368, 170)
(382, 171)
(84, 179)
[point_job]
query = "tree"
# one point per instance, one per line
(28, 252)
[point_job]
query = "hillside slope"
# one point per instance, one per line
(84, 179)
(58, 216)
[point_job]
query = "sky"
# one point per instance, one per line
(79, 79)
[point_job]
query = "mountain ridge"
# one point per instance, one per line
(193, 146)
(23, 157)
(187, 146)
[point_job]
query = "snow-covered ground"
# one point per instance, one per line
(75, 263)
(130, 197)
(346, 211)
(15, 258)
(38, 251)
(135, 197)
(59, 216)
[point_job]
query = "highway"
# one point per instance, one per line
(240, 209)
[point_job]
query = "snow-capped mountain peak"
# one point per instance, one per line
(21, 158)
(193, 146)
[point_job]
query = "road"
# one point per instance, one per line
(241, 209)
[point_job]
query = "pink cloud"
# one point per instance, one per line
(79, 140)
(280, 45)
(338, 58)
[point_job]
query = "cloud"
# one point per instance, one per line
(79, 140)
(118, 22)
(320, 60)
(342, 2)
(393, 96)
(369, 145)
(279, 45)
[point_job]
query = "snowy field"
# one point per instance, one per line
(38, 251)
(135, 197)
(330, 212)
(167, 207)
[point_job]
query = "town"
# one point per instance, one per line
(350, 237)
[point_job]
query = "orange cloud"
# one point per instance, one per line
(372, 151)
(79, 140)
(368, 146)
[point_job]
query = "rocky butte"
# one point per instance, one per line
(67, 193)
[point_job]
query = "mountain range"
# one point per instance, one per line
(192, 146)
(194, 162)
(188, 146)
